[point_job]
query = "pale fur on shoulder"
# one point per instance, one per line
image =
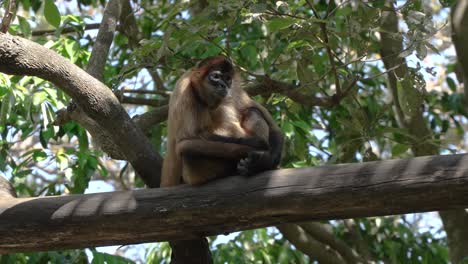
(229, 109)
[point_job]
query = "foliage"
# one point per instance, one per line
(258, 246)
(325, 51)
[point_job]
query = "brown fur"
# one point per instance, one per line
(191, 155)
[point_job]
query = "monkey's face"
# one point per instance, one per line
(219, 82)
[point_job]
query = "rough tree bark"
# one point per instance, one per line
(96, 64)
(454, 221)
(235, 203)
(19, 56)
(459, 19)
(316, 250)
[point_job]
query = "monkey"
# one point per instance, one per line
(215, 129)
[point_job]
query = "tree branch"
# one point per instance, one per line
(390, 46)
(326, 43)
(150, 118)
(459, 16)
(8, 16)
(325, 236)
(234, 203)
(361, 245)
(305, 243)
(104, 38)
(96, 65)
(65, 30)
(266, 85)
(158, 92)
(22, 57)
(129, 25)
(141, 101)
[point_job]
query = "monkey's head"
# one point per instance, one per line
(212, 80)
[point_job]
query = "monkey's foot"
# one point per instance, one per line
(255, 162)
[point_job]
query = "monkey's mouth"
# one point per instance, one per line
(223, 92)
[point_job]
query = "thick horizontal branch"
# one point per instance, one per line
(235, 203)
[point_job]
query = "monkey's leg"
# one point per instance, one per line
(215, 149)
(204, 160)
(198, 170)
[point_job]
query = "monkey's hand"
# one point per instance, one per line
(255, 162)
(251, 141)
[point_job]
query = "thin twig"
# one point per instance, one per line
(384, 72)
(156, 79)
(323, 28)
(337, 7)
(206, 39)
(65, 30)
(277, 13)
(158, 92)
(8, 16)
(330, 57)
(313, 9)
(140, 101)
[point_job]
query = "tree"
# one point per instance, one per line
(347, 81)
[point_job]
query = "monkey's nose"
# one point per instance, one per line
(223, 85)
(221, 91)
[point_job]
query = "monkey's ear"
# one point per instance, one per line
(195, 77)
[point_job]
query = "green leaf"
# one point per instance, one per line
(39, 155)
(280, 23)
(421, 52)
(258, 8)
(52, 13)
(23, 173)
(249, 51)
(399, 149)
(24, 26)
(5, 109)
(409, 96)
(62, 160)
(451, 84)
(99, 257)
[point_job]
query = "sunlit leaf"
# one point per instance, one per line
(52, 13)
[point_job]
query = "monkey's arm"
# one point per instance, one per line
(255, 142)
(275, 135)
(276, 141)
(216, 149)
(260, 123)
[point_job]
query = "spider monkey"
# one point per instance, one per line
(215, 129)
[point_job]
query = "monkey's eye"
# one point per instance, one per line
(215, 76)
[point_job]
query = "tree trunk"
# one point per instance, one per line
(455, 220)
